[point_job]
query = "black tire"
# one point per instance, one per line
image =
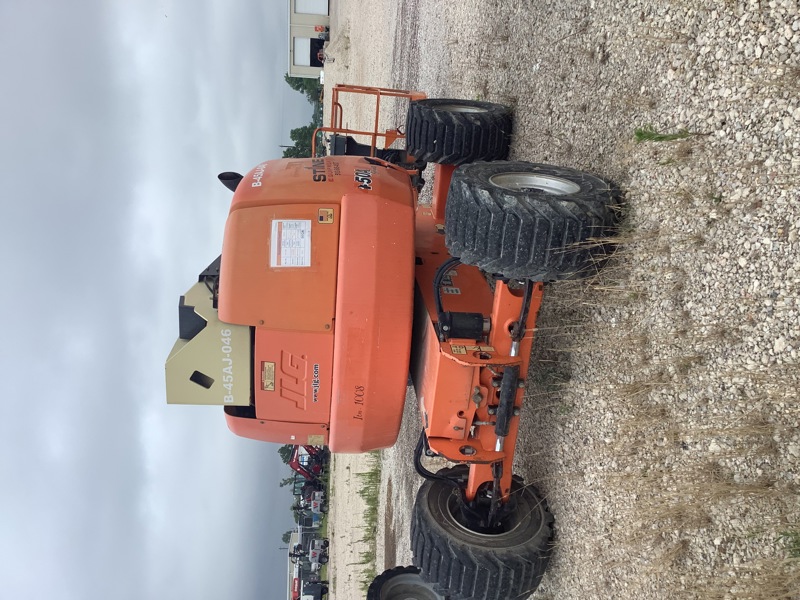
(529, 221)
(454, 132)
(467, 565)
(323, 560)
(401, 583)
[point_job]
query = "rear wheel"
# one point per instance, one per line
(529, 221)
(470, 565)
(401, 583)
(455, 132)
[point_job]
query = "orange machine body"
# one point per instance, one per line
(324, 278)
(320, 260)
(455, 380)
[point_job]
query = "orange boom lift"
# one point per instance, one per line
(335, 282)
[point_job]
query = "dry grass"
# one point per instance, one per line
(702, 499)
(777, 579)
(681, 476)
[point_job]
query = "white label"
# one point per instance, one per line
(290, 245)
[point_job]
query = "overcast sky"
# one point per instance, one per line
(116, 117)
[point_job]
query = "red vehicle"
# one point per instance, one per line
(334, 283)
(310, 468)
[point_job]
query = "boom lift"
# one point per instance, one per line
(334, 282)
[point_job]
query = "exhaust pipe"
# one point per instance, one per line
(230, 180)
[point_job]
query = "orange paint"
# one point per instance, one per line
(278, 431)
(388, 137)
(302, 375)
(373, 322)
(334, 327)
(454, 379)
(256, 291)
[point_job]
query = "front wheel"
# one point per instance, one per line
(401, 583)
(529, 221)
(472, 565)
(454, 132)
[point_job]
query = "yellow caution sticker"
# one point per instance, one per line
(268, 376)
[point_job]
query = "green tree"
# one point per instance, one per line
(301, 136)
(286, 481)
(308, 86)
(285, 452)
(286, 537)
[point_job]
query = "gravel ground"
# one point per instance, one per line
(662, 422)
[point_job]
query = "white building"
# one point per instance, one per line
(309, 21)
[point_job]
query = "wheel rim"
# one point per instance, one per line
(508, 525)
(526, 182)
(408, 586)
(463, 108)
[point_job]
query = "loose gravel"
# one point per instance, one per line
(662, 415)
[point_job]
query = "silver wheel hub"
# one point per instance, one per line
(408, 586)
(525, 182)
(463, 108)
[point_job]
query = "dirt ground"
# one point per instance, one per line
(346, 530)
(662, 421)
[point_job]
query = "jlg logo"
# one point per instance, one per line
(294, 370)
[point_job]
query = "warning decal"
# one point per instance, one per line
(463, 348)
(290, 245)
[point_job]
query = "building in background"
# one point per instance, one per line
(309, 22)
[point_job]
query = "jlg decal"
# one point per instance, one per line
(294, 370)
(315, 383)
(363, 178)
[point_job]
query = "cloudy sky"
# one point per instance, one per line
(116, 116)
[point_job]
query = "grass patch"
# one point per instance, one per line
(649, 134)
(369, 491)
(792, 541)
(323, 526)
